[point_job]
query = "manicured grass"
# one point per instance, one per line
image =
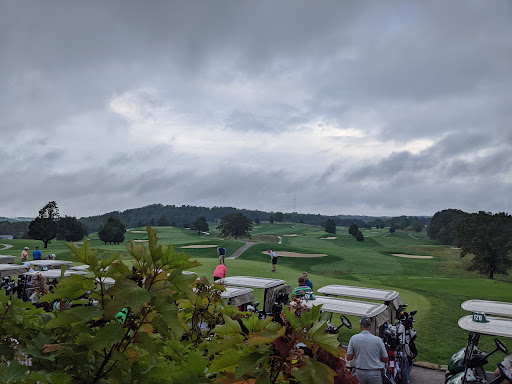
(435, 287)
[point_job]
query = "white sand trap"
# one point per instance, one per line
(412, 256)
(454, 248)
(295, 234)
(138, 231)
(328, 238)
(293, 254)
(140, 241)
(375, 232)
(200, 246)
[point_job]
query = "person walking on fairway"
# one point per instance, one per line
(273, 259)
(368, 352)
(222, 254)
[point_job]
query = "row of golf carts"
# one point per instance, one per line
(488, 318)
(385, 308)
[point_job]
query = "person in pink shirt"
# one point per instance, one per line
(24, 255)
(220, 272)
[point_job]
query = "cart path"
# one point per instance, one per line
(421, 375)
(241, 250)
(6, 246)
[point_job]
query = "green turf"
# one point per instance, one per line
(435, 287)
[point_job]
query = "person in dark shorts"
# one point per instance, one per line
(273, 259)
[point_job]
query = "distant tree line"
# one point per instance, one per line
(185, 215)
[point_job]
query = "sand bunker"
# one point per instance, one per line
(328, 238)
(140, 241)
(138, 231)
(200, 246)
(294, 254)
(454, 248)
(295, 234)
(412, 256)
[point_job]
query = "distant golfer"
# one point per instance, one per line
(24, 255)
(36, 255)
(222, 254)
(273, 259)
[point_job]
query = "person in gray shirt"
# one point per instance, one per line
(369, 354)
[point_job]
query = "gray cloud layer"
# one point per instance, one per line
(360, 108)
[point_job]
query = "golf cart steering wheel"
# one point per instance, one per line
(501, 346)
(346, 322)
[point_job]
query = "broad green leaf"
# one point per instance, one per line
(314, 373)
(12, 373)
(227, 342)
(229, 327)
(60, 378)
(324, 340)
(249, 363)
(292, 318)
(109, 335)
(308, 318)
(84, 254)
(227, 360)
(126, 294)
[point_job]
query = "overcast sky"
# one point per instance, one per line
(367, 107)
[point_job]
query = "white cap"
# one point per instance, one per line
(26, 264)
(26, 248)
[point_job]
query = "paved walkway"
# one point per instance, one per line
(421, 375)
(241, 250)
(6, 246)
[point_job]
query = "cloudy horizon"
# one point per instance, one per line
(356, 108)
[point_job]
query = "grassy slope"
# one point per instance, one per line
(436, 287)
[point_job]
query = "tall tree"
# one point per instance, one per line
(489, 238)
(112, 231)
(417, 226)
(236, 225)
(443, 226)
(278, 216)
(201, 225)
(44, 227)
(271, 219)
(330, 226)
(162, 221)
(70, 229)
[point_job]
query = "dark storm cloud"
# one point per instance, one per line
(112, 105)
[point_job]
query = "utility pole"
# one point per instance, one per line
(294, 208)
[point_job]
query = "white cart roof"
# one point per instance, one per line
(496, 326)
(54, 273)
(7, 259)
(231, 292)
(359, 292)
(83, 267)
(348, 307)
(251, 282)
(49, 263)
(488, 307)
(12, 269)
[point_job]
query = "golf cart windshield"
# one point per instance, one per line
(375, 311)
(237, 296)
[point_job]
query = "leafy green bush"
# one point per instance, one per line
(174, 328)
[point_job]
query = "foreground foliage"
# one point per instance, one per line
(156, 324)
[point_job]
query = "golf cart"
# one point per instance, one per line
(6, 259)
(459, 359)
(6, 273)
(237, 296)
(275, 290)
(467, 365)
(390, 298)
(276, 293)
(333, 305)
(49, 264)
